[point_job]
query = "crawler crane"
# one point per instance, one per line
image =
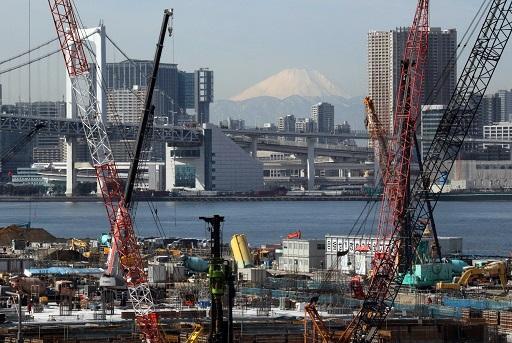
(78, 69)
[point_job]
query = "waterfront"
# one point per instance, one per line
(484, 225)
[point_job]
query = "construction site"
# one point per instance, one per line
(404, 283)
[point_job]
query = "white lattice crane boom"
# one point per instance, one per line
(123, 234)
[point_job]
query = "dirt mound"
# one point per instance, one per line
(7, 234)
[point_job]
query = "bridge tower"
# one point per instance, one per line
(96, 36)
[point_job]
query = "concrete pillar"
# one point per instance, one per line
(70, 167)
(311, 164)
(254, 147)
(70, 142)
(98, 188)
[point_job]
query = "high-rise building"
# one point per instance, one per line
(286, 123)
(127, 74)
(431, 116)
(505, 97)
(186, 90)
(203, 94)
(196, 92)
(380, 74)
(490, 109)
(322, 114)
(175, 91)
(127, 105)
(47, 148)
(385, 52)
(304, 125)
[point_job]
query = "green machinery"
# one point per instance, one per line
(426, 271)
(221, 277)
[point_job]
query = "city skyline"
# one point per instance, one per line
(265, 41)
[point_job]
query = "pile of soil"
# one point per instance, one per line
(7, 234)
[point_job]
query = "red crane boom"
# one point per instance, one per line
(393, 214)
(119, 218)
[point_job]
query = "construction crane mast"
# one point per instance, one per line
(437, 164)
(393, 220)
(123, 233)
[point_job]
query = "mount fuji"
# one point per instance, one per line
(291, 91)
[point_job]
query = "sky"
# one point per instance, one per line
(243, 41)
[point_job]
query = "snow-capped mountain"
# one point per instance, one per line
(291, 91)
(289, 82)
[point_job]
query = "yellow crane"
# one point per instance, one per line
(377, 133)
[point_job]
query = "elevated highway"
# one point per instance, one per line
(176, 136)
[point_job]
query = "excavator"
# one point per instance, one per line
(477, 275)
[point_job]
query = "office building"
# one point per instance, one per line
(203, 94)
(127, 105)
(498, 131)
(28, 177)
(431, 116)
(304, 125)
(196, 92)
(233, 124)
(46, 148)
(494, 108)
(186, 90)
(359, 250)
(478, 175)
(380, 74)
(385, 52)
(218, 165)
(127, 74)
(286, 123)
(302, 256)
(505, 101)
(176, 92)
(322, 115)
(269, 127)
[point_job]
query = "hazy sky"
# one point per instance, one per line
(245, 41)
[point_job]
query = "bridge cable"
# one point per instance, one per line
(139, 180)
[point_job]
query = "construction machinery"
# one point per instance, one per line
(79, 245)
(393, 220)
(216, 277)
(478, 275)
(320, 332)
(142, 144)
(377, 133)
(406, 211)
(413, 205)
(194, 336)
(124, 239)
(241, 252)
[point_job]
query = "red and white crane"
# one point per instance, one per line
(393, 220)
(123, 234)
